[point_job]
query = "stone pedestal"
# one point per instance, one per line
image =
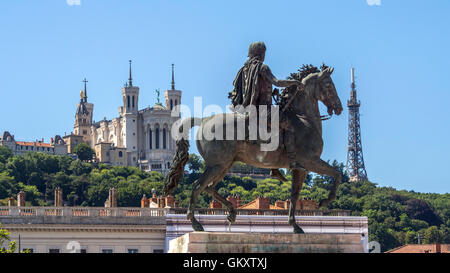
(218, 242)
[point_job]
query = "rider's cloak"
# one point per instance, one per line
(246, 91)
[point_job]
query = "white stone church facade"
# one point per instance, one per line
(140, 138)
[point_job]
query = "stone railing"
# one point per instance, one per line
(149, 212)
(273, 212)
(82, 211)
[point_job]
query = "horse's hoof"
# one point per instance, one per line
(298, 230)
(277, 175)
(231, 217)
(197, 226)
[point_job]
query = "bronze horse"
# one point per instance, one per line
(219, 155)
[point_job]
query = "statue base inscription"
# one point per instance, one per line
(218, 242)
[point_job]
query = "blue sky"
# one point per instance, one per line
(400, 50)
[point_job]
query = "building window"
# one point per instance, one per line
(164, 139)
(133, 101)
(150, 139)
(107, 250)
(171, 104)
(176, 102)
(128, 101)
(84, 132)
(120, 154)
(157, 138)
(156, 166)
(83, 250)
(53, 250)
(158, 251)
(133, 250)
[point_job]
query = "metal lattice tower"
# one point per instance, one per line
(355, 159)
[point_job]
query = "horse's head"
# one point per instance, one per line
(324, 90)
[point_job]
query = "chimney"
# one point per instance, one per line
(263, 203)
(11, 202)
(144, 202)
(111, 202)
(308, 204)
(279, 204)
(21, 199)
(170, 201)
(215, 204)
(58, 197)
(160, 202)
(235, 200)
(437, 247)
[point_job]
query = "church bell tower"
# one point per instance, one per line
(129, 115)
(172, 96)
(83, 116)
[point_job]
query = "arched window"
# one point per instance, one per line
(128, 101)
(157, 138)
(164, 139)
(150, 136)
(171, 104)
(120, 154)
(133, 101)
(176, 102)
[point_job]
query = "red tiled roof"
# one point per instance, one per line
(427, 248)
(38, 144)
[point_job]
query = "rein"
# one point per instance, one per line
(322, 117)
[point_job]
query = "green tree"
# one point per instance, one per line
(84, 152)
(4, 238)
(195, 163)
(432, 235)
(5, 153)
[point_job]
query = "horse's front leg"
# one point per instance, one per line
(321, 167)
(231, 211)
(196, 190)
(211, 176)
(298, 177)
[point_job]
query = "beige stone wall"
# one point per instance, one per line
(93, 239)
(106, 153)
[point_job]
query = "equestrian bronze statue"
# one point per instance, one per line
(299, 117)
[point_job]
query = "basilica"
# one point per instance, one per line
(137, 137)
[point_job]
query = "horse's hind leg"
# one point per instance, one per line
(321, 167)
(298, 177)
(211, 174)
(231, 211)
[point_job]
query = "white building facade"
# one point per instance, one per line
(144, 134)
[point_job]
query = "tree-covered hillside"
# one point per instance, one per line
(396, 217)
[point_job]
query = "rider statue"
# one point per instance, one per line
(253, 86)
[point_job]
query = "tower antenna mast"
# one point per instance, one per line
(355, 160)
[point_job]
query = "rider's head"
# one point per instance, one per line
(258, 50)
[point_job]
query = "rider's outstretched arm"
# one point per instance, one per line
(279, 83)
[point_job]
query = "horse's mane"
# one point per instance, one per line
(306, 70)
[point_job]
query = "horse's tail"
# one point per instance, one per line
(181, 157)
